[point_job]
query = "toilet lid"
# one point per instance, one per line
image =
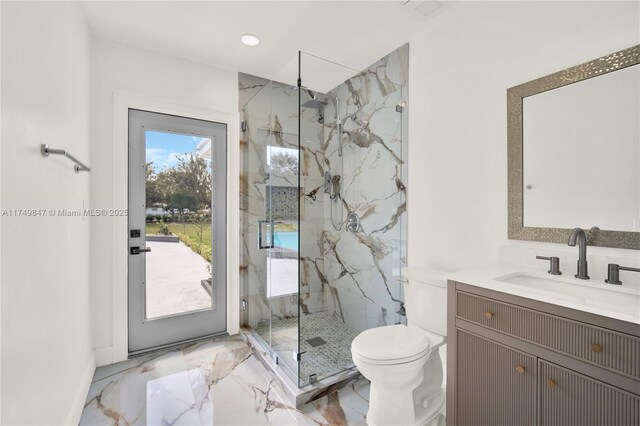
(390, 343)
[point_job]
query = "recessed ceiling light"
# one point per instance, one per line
(250, 39)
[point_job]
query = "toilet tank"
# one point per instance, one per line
(425, 295)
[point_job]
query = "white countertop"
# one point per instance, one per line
(595, 296)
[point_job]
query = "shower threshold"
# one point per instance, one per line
(298, 396)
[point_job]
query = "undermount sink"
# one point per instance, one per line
(622, 300)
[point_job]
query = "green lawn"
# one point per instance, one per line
(188, 229)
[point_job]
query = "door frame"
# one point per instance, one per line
(122, 102)
(150, 333)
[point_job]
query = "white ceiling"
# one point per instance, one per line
(352, 33)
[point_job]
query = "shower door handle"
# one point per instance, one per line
(261, 234)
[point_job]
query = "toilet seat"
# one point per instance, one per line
(392, 344)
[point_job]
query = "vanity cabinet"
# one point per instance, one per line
(499, 386)
(567, 397)
(518, 361)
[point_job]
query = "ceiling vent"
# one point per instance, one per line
(425, 8)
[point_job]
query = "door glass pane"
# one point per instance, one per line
(178, 224)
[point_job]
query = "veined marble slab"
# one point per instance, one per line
(362, 268)
(214, 382)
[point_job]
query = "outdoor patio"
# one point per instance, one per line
(174, 274)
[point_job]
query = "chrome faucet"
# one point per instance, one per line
(578, 235)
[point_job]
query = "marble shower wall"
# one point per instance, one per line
(362, 268)
(269, 111)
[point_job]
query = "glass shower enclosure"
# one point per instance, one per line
(323, 210)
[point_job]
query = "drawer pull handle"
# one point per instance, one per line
(520, 369)
(488, 315)
(551, 383)
(596, 348)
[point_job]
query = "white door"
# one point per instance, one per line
(177, 229)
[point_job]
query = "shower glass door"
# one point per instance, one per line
(270, 216)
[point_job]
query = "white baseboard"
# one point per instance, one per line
(104, 356)
(78, 402)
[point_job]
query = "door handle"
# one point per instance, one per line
(138, 250)
(261, 234)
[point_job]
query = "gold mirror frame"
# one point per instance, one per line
(515, 95)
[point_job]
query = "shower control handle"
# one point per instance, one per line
(353, 222)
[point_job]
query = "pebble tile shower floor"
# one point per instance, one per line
(323, 359)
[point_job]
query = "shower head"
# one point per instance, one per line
(314, 103)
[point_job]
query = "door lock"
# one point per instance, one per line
(138, 250)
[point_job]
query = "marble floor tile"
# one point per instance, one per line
(347, 406)
(214, 382)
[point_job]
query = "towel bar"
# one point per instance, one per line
(79, 167)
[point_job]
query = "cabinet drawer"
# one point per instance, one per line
(614, 351)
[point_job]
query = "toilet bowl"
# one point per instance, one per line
(403, 363)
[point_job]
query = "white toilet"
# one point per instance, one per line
(403, 362)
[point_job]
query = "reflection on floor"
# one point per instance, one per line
(324, 359)
(174, 273)
(209, 383)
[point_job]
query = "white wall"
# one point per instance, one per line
(171, 81)
(459, 73)
(47, 353)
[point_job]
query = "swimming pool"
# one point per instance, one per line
(287, 240)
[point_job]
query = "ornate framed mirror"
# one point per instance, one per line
(574, 153)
